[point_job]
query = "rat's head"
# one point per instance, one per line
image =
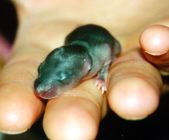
(62, 69)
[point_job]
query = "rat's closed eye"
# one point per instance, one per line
(63, 76)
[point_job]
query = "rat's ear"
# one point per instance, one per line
(55, 53)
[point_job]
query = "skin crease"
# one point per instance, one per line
(79, 111)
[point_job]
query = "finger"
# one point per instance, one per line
(75, 115)
(134, 87)
(19, 106)
(155, 44)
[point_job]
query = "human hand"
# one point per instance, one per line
(76, 116)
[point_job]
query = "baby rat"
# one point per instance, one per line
(88, 51)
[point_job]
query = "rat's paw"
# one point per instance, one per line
(101, 85)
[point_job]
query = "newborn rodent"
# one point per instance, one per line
(88, 51)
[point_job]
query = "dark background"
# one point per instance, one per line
(155, 127)
(8, 20)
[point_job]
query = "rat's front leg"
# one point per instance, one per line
(101, 79)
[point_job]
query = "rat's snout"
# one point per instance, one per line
(44, 89)
(48, 94)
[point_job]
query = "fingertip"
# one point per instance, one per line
(155, 40)
(69, 120)
(133, 99)
(19, 109)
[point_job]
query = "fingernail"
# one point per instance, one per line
(12, 132)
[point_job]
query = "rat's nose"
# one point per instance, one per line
(44, 90)
(47, 94)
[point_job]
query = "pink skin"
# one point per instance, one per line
(4, 48)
